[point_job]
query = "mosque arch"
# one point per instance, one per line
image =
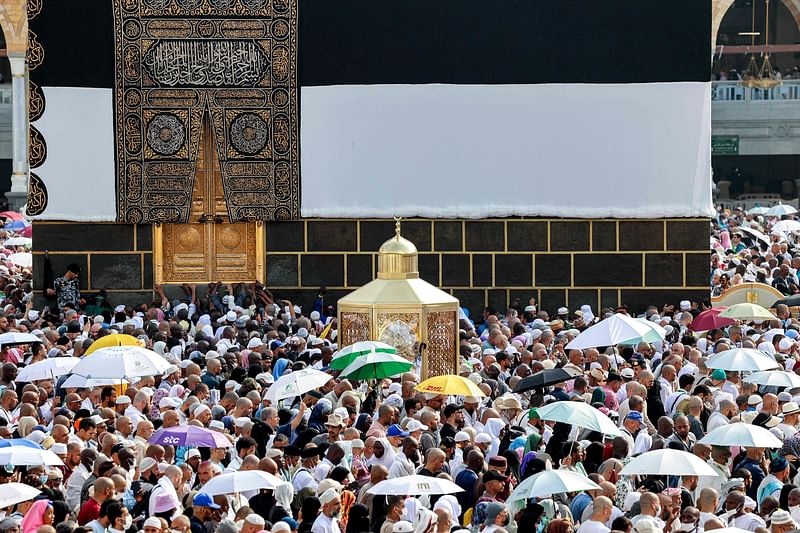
(720, 8)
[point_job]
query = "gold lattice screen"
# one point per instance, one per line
(441, 352)
(354, 328)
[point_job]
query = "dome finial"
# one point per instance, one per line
(397, 226)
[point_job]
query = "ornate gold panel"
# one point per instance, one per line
(209, 247)
(175, 59)
(355, 327)
(442, 356)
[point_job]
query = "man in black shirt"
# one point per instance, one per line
(453, 419)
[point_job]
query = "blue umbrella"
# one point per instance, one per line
(5, 443)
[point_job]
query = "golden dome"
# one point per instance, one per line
(397, 257)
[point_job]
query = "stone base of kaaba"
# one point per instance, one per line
(491, 262)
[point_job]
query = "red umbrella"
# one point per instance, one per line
(710, 319)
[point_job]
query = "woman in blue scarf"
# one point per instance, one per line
(363, 422)
(279, 368)
(319, 415)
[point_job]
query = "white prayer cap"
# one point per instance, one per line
(328, 496)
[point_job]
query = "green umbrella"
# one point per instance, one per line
(376, 365)
(348, 354)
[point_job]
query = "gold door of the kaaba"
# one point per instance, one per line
(209, 247)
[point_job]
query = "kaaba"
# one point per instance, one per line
(556, 150)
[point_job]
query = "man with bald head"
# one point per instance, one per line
(682, 438)
(144, 430)
(168, 485)
(103, 490)
(739, 516)
(60, 433)
(769, 404)
(707, 504)
(170, 419)
(667, 382)
(602, 509)
(206, 471)
(649, 509)
(468, 479)
(434, 461)
(722, 416)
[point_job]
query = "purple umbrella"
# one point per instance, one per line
(187, 435)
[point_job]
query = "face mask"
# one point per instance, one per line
(43, 479)
(128, 522)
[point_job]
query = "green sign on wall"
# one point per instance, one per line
(724, 145)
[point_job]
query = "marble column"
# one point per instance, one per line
(19, 124)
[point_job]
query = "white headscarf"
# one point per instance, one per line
(425, 520)
(388, 455)
(284, 494)
(450, 504)
(493, 427)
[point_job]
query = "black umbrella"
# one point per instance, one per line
(543, 378)
(791, 301)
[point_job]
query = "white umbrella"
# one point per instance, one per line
(758, 210)
(21, 259)
(741, 434)
(747, 311)
(787, 226)
(755, 233)
(780, 210)
(656, 333)
(80, 382)
(47, 369)
(774, 378)
(614, 330)
(14, 493)
(15, 337)
(742, 359)
(121, 362)
(25, 456)
(240, 482)
(668, 462)
(578, 414)
(415, 485)
(296, 383)
(18, 241)
(548, 482)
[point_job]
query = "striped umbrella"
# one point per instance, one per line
(348, 354)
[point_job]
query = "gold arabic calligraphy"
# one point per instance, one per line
(206, 63)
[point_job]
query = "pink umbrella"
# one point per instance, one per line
(710, 319)
(12, 215)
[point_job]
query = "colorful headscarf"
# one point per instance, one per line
(34, 518)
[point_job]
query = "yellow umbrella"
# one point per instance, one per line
(117, 339)
(747, 311)
(450, 385)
